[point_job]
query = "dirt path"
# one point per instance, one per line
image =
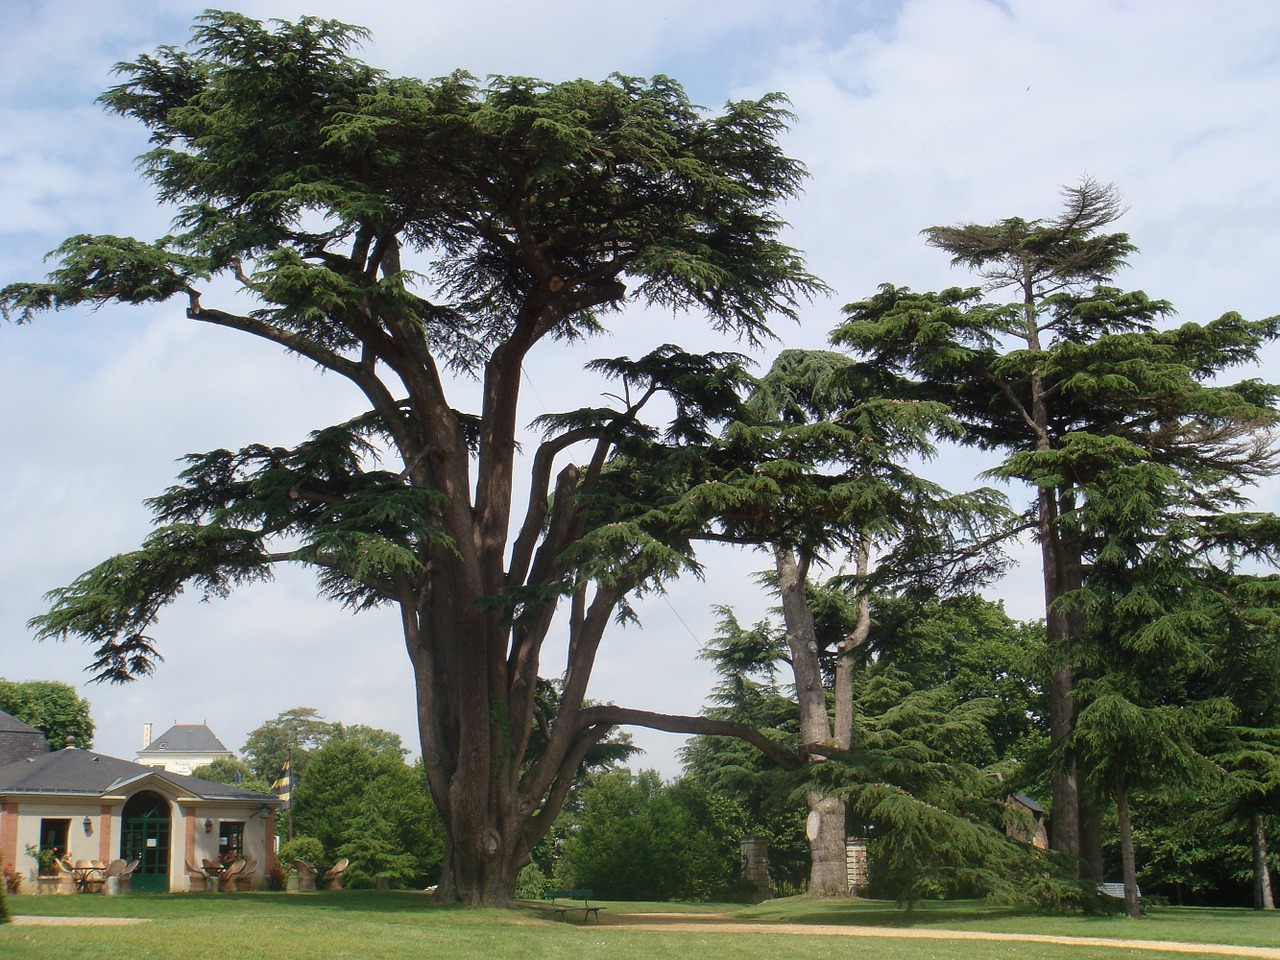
(76, 921)
(719, 923)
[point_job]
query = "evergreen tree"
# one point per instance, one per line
(1058, 378)
(391, 231)
(815, 471)
(350, 782)
(372, 847)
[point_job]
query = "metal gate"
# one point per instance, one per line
(145, 837)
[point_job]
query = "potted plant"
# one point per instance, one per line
(46, 874)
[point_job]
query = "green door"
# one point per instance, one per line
(145, 837)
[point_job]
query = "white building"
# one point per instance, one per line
(181, 749)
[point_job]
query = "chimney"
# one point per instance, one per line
(146, 735)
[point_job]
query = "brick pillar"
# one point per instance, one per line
(103, 827)
(189, 818)
(9, 833)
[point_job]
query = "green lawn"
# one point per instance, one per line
(351, 924)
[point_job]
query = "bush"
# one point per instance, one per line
(637, 838)
(300, 848)
(4, 906)
(531, 883)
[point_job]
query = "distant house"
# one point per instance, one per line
(182, 748)
(19, 740)
(1026, 821)
(89, 806)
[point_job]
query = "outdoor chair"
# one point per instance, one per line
(95, 880)
(333, 877)
(227, 882)
(111, 876)
(199, 876)
(306, 876)
(66, 880)
(244, 879)
(126, 876)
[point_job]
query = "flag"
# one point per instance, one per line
(283, 787)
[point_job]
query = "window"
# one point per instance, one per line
(230, 839)
(53, 836)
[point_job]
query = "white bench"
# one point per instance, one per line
(1114, 889)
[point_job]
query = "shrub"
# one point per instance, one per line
(4, 906)
(531, 883)
(300, 848)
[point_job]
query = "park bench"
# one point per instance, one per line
(562, 909)
(1114, 889)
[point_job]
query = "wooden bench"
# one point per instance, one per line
(562, 910)
(1114, 889)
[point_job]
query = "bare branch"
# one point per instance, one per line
(704, 726)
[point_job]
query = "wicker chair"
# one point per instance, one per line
(333, 876)
(306, 875)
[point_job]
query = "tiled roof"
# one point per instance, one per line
(185, 738)
(86, 772)
(11, 724)
(19, 740)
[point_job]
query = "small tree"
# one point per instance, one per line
(814, 470)
(348, 783)
(52, 707)
(374, 849)
(637, 838)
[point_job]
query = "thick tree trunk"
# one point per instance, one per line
(1128, 865)
(1061, 575)
(1263, 898)
(828, 871)
(1091, 839)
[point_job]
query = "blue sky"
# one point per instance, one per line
(908, 114)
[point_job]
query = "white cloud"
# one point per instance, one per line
(909, 114)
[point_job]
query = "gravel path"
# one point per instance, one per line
(76, 921)
(686, 922)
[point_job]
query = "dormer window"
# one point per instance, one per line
(162, 745)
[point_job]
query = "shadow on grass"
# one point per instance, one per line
(864, 913)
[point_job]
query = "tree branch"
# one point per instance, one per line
(704, 726)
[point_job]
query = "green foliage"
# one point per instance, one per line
(974, 647)
(372, 846)
(294, 733)
(301, 848)
(358, 798)
(4, 903)
(234, 773)
(749, 691)
(530, 211)
(44, 858)
(50, 706)
(531, 882)
(935, 823)
(637, 838)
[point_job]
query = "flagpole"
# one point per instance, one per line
(289, 762)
